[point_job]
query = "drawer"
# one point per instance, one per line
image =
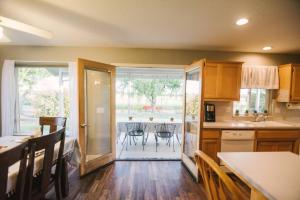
(211, 134)
(277, 134)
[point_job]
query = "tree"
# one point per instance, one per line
(152, 88)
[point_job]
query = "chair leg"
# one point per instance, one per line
(156, 142)
(124, 139)
(128, 137)
(173, 144)
(143, 143)
(58, 191)
(178, 138)
(64, 178)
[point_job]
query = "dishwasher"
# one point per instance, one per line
(237, 141)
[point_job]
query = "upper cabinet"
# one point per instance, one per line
(289, 83)
(222, 80)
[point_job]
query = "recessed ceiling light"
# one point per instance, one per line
(242, 21)
(1, 32)
(267, 48)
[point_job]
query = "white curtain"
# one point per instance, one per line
(74, 110)
(8, 97)
(263, 77)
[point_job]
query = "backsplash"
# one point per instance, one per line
(224, 112)
(280, 112)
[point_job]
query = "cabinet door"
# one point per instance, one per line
(211, 148)
(210, 81)
(295, 91)
(285, 72)
(275, 146)
(229, 81)
(285, 146)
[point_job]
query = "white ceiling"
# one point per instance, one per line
(167, 24)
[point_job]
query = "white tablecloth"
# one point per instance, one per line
(71, 146)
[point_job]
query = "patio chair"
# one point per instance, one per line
(165, 131)
(134, 129)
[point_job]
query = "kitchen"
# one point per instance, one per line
(216, 84)
(268, 125)
(276, 129)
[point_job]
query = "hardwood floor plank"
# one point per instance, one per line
(136, 180)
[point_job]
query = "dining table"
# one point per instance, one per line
(270, 175)
(71, 156)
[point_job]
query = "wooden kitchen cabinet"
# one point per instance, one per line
(222, 80)
(211, 147)
(278, 140)
(289, 83)
(210, 143)
(275, 146)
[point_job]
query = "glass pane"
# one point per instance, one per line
(41, 91)
(252, 100)
(97, 98)
(157, 96)
(192, 113)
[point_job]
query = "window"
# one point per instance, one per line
(41, 91)
(252, 100)
(149, 93)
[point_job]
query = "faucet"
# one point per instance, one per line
(260, 117)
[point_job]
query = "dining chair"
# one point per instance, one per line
(52, 122)
(133, 130)
(8, 158)
(43, 147)
(217, 183)
(164, 131)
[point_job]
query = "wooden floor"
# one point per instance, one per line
(138, 180)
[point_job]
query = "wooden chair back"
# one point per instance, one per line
(53, 122)
(37, 186)
(8, 158)
(217, 183)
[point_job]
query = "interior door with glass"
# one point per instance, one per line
(96, 88)
(193, 116)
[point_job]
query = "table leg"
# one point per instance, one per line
(65, 178)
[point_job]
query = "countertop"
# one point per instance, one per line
(251, 125)
(274, 174)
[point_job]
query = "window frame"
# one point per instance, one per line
(268, 99)
(17, 120)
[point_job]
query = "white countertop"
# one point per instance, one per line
(251, 125)
(275, 174)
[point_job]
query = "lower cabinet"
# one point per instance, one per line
(211, 148)
(275, 146)
(278, 140)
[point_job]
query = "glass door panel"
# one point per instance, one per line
(96, 88)
(191, 136)
(192, 115)
(97, 98)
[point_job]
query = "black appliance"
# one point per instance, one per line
(210, 112)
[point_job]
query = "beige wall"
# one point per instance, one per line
(138, 56)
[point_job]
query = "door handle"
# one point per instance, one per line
(83, 125)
